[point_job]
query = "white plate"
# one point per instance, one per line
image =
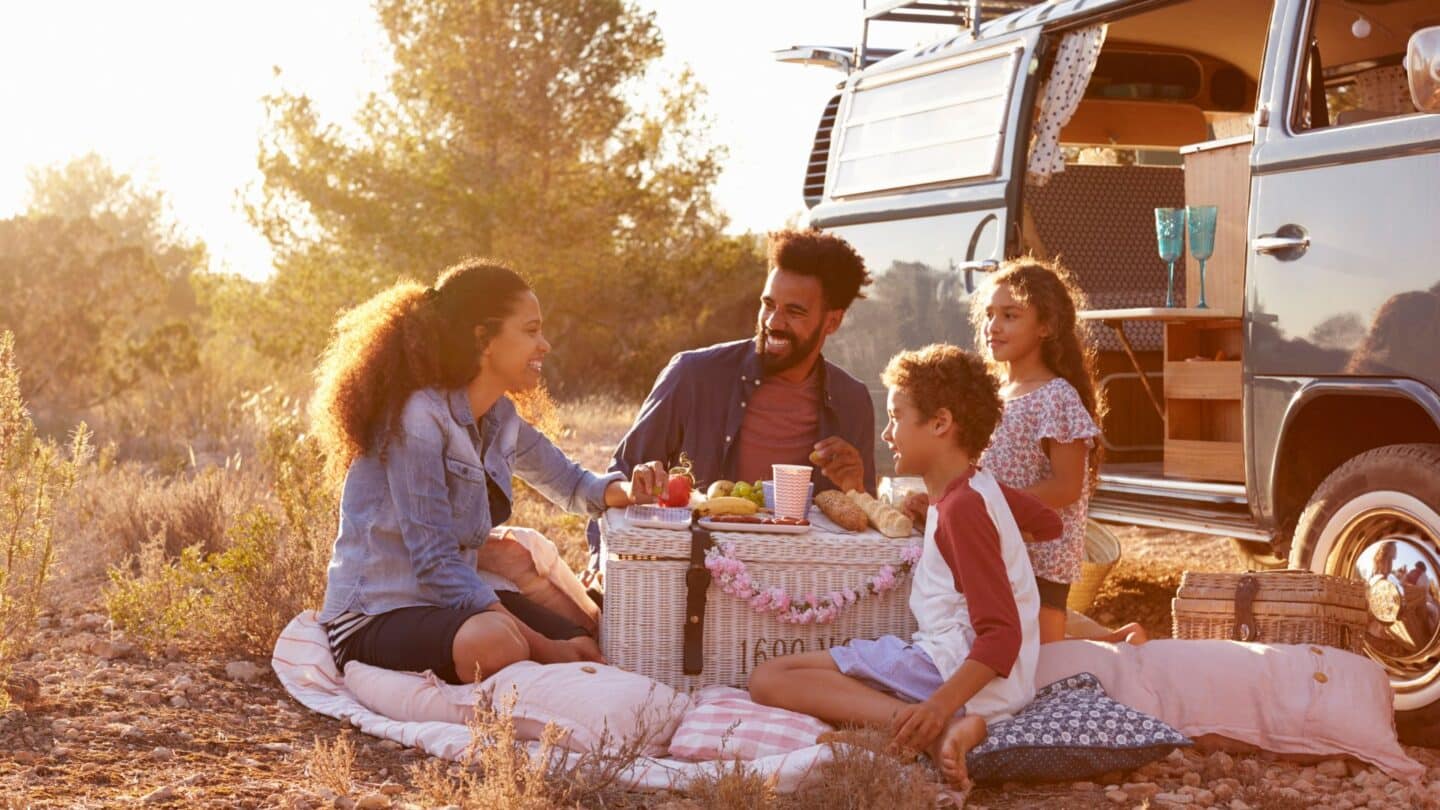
(752, 528)
(650, 516)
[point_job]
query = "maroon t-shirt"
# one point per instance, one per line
(781, 426)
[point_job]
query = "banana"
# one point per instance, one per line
(727, 505)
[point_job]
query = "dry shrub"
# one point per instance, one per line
(272, 565)
(36, 476)
(732, 786)
(498, 770)
(332, 764)
(858, 778)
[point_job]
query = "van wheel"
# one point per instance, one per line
(1376, 519)
(1258, 556)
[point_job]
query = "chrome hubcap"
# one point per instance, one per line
(1395, 555)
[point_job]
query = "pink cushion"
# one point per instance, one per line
(723, 723)
(587, 702)
(409, 696)
(1285, 698)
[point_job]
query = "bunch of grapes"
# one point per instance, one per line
(754, 492)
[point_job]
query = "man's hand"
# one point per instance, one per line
(839, 461)
(917, 725)
(645, 481)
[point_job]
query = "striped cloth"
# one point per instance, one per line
(725, 724)
(344, 626)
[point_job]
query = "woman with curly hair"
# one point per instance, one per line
(412, 410)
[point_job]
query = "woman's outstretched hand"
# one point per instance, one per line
(645, 481)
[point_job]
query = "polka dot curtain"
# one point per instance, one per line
(1074, 63)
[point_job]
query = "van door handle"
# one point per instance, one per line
(970, 268)
(1289, 242)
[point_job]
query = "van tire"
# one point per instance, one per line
(1401, 477)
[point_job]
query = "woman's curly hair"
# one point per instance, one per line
(403, 339)
(945, 376)
(1053, 293)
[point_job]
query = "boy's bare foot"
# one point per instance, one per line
(948, 752)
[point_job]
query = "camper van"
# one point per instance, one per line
(1298, 409)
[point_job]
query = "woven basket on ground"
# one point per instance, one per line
(1102, 551)
(642, 627)
(1286, 607)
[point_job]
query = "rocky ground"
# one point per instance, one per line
(114, 726)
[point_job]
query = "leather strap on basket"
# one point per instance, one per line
(697, 582)
(1246, 628)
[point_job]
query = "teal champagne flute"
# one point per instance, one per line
(1202, 240)
(1170, 236)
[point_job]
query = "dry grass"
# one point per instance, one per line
(332, 764)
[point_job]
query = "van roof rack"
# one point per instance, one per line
(963, 13)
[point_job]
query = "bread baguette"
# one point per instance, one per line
(888, 520)
(842, 511)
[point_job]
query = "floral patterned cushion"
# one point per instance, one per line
(1071, 731)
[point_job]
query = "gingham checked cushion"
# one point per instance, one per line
(724, 723)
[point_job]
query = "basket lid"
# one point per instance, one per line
(1276, 586)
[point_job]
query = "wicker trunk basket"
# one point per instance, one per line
(642, 627)
(1272, 607)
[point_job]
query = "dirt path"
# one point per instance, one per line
(116, 727)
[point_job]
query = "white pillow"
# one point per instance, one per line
(409, 696)
(587, 701)
(1285, 698)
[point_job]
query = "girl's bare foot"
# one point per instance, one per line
(948, 752)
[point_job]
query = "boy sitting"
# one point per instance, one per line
(974, 598)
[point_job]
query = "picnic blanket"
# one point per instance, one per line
(303, 663)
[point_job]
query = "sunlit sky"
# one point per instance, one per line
(170, 92)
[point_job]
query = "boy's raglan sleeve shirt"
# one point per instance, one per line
(968, 541)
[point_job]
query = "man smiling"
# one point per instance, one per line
(736, 408)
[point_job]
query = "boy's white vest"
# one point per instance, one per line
(945, 631)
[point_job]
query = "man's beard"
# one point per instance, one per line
(799, 349)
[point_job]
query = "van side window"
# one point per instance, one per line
(906, 130)
(1350, 70)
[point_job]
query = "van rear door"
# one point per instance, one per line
(924, 167)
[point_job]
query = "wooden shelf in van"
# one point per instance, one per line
(1202, 379)
(1205, 460)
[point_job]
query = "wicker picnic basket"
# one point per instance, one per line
(1272, 607)
(647, 593)
(1102, 551)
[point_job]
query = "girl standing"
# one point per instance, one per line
(1047, 443)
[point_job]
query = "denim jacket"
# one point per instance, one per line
(411, 523)
(698, 403)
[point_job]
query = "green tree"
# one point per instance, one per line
(95, 283)
(508, 130)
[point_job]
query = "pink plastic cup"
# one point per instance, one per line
(792, 490)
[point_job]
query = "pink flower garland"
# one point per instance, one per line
(814, 608)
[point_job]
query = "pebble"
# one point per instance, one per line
(1191, 779)
(392, 789)
(278, 748)
(1204, 798)
(1084, 786)
(1332, 767)
(111, 692)
(389, 745)
(1223, 792)
(344, 803)
(163, 794)
(149, 698)
(112, 649)
(1289, 793)
(1117, 796)
(373, 801)
(180, 702)
(1239, 805)
(162, 754)
(243, 671)
(1173, 798)
(1141, 790)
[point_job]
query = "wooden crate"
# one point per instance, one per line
(1288, 607)
(1204, 406)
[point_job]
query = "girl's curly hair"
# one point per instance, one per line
(1051, 290)
(403, 339)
